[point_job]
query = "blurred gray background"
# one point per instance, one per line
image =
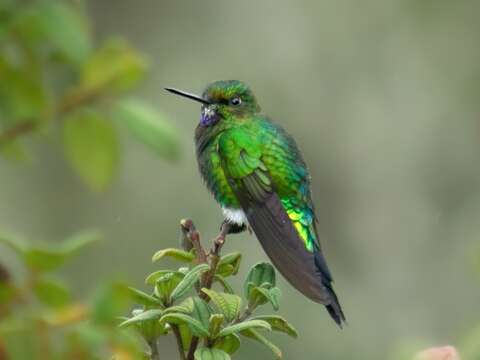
(383, 99)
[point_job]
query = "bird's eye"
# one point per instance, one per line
(236, 101)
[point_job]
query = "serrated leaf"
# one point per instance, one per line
(215, 323)
(259, 274)
(91, 146)
(201, 311)
(153, 277)
(176, 254)
(166, 284)
(143, 298)
(224, 283)
(260, 295)
(66, 29)
(229, 343)
(51, 292)
(205, 353)
(147, 315)
(116, 65)
(178, 318)
(229, 264)
(275, 294)
(228, 304)
(188, 281)
(255, 335)
(249, 324)
(278, 323)
(149, 127)
(186, 306)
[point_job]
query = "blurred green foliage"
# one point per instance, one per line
(40, 319)
(383, 96)
(55, 76)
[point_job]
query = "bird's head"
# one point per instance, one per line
(223, 100)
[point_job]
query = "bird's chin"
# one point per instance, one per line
(209, 119)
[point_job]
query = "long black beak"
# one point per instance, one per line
(188, 95)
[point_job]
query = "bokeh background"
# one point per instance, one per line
(383, 99)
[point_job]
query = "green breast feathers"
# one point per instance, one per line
(262, 155)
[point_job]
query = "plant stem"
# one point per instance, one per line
(154, 355)
(191, 239)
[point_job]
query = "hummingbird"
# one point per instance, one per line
(257, 174)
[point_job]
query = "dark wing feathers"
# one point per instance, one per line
(306, 271)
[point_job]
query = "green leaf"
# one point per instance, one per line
(153, 277)
(205, 353)
(215, 323)
(249, 324)
(186, 335)
(201, 311)
(108, 302)
(229, 343)
(115, 66)
(22, 93)
(146, 323)
(51, 292)
(178, 318)
(224, 283)
(186, 307)
(166, 284)
(188, 281)
(261, 295)
(278, 323)
(258, 275)
(176, 254)
(15, 242)
(143, 316)
(149, 127)
(229, 304)
(73, 244)
(66, 28)
(229, 264)
(91, 146)
(49, 256)
(255, 335)
(143, 298)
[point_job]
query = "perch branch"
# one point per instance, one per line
(191, 239)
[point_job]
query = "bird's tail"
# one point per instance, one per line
(335, 309)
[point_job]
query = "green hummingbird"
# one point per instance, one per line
(257, 174)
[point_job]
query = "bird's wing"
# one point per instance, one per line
(255, 189)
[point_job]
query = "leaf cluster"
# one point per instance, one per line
(197, 304)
